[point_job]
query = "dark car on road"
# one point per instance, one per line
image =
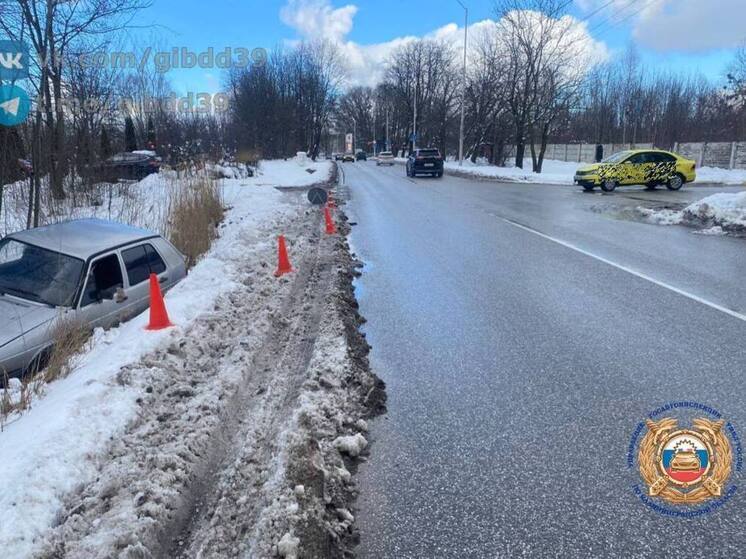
(425, 161)
(361, 156)
(130, 166)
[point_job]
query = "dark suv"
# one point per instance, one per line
(425, 161)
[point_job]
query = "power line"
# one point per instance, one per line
(610, 19)
(594, 12)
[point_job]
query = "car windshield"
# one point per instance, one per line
(429, 153)
(37, 274)
(617, 157)
(386, 154)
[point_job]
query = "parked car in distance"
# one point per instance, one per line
(134, 165)
(92, 271)
(649, 167)
(425, 161)
(385, 158)
(338, 156)
(361, 156)
(348, 157)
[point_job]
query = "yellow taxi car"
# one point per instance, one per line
(649, 167)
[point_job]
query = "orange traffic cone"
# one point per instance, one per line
(283, 266)
(158, 313)
(331, 228)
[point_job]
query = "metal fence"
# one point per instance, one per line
(727, 155)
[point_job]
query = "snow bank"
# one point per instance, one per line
(562, 172)
(553, 172)
(718, 214)
(721, 176)
(50, 450)
(291, 173)
(727, 210)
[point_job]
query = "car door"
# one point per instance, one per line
(634, 169)
(662, 169)
(102, 302)
(140, 261)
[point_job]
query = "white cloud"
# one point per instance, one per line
(317, 19)
(692, 25)
(664, 25)
(366, 64)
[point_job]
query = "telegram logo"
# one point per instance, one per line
(15, 105)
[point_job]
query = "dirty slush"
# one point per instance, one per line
(250, 425)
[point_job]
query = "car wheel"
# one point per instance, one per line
(675, 182)
(609, 185)
(440, 175)
(589, 187)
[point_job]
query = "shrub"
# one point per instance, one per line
(196, 210)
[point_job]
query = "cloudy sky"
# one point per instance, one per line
(680, 35)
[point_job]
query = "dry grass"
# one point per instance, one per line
(69, 338)
(195, 211)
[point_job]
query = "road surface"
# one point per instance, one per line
(523, 332)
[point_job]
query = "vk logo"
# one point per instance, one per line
(14, 60)
(15, 105)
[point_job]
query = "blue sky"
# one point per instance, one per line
(677, 35)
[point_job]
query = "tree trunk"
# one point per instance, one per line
(543, 149)
(520, 146)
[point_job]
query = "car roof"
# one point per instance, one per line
(83, 238)
(633, 151)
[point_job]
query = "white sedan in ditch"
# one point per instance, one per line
(92, 271)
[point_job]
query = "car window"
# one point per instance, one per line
(638, 158)
(659, 157)
(37, 274)
(140, 262)
(617, 157)
(428, 153)
(104, 278)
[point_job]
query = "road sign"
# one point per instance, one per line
(14, 60)
(15, 105)
(413, 137)
(317, 196)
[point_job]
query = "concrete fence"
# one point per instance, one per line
(726, 155)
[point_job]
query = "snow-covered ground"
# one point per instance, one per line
(51, 449)
(717, 214)
(562, 172)
(554, 172)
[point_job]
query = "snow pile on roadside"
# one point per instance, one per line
(52, 449)
(719, 213)
(721, 176)
(553, 171)
(563, 172)
(325, 440)
(291, 173)
(660, 217)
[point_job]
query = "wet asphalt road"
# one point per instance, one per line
(517, 368)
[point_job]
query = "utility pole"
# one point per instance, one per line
(375, 121)
(463, 85)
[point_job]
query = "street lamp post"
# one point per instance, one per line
(463, 85)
